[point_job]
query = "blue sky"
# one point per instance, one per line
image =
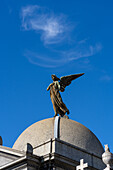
(40, 38)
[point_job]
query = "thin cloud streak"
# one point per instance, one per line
(52, 28)
(44, 61)
(64, 57)
(75, 54)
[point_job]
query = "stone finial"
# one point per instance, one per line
(107, 148)
(29, 148)
(82, 165)
(1, 142)
(107, 158)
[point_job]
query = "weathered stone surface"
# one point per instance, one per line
(107, 158)
(61, 155)
(12, 159)
(74, 142)
(36, 134)
(70, 131)
(77, 134)
(8, 155)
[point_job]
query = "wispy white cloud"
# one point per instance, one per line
(54, 29)
(80, 52)
(82, 41)
(63, 57)
(51, 27)
(43, 60)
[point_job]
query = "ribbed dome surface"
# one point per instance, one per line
(70, 131)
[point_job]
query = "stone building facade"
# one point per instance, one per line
(53, 144)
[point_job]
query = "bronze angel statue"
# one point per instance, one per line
(60, 85)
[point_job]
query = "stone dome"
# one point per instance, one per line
(70, 131)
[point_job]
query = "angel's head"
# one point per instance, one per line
(54, 77)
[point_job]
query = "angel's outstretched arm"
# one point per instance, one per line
(49, 86)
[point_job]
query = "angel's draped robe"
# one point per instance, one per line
(58, 105)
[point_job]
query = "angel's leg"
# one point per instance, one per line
(55, 110)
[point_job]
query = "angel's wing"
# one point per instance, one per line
(66, 80)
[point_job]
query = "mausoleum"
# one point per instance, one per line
(56, 143)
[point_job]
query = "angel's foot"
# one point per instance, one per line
(55, 115)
